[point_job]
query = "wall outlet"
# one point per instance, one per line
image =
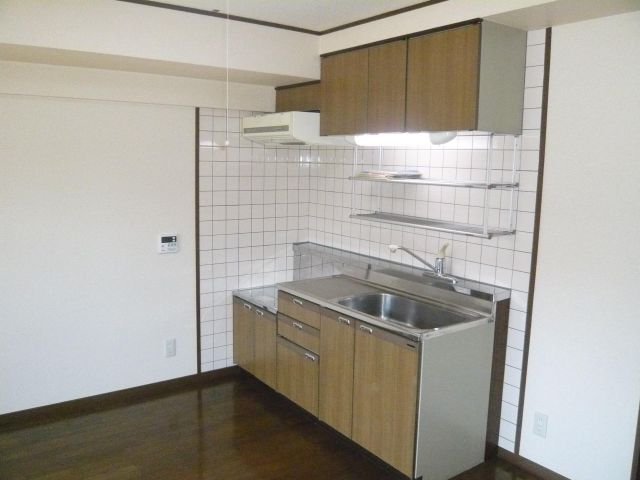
(170, 348)
(540, 424)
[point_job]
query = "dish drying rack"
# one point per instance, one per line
(371, 210)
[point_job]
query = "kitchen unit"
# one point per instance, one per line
(415, 393)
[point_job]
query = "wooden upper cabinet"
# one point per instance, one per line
(304, 97)
(386, 90)
(344, 83)
(468, 77)
(442, 80)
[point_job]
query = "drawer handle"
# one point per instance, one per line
(260, 312)
(297, 325)
(247, 306)
(308, 356)
(364, 328)
(343, 320)
(297, 301)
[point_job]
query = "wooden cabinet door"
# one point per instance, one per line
(265, 347)
(386, 95)
(297, 377)
(243, 335)
(299, 98)
(443, 79)
(343, 85)
(336, 371)
(385, 395)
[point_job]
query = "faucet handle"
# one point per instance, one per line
(442, 253)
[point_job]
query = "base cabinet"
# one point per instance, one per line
(336, 371)
(385, 395)
(254, 341)
(243, 335)
(264, 347)
(298, 375)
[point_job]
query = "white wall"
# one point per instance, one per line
(86, 303)
(129, 31)
(584, 357)
(20, 78)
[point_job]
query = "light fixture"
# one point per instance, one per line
(440, 138)
(403, 139)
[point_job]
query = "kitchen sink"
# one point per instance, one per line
(404, 311)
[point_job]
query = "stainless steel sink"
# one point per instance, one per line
(403, 310)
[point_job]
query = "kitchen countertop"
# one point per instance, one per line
(262, 297)
(326, 291)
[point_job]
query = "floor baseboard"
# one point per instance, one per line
(105, 401)
(529, 466)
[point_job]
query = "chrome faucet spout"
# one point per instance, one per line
(438, 268)
(395, 248)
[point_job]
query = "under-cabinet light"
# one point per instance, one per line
(403, 139)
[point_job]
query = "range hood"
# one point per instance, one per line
(288, 128)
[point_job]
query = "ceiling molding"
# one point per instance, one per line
(218, 14)
(390, 13)
(208, 13)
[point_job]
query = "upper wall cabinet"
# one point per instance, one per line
(363, 90)
(386, 92)
(469, 77)
(442, 80)
(301, 97)
(466, 78)
(343, 84)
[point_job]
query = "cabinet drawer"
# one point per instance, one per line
(298, 375)
(299, 333)
(299, 309)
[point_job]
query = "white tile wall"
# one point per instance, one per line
(256, 201)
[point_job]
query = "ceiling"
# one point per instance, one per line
(315, 15)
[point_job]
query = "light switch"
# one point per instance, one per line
(168, 243)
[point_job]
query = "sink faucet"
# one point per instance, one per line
(438, 268)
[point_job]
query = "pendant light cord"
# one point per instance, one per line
(226, 32)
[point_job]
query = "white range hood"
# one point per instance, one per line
(288, 128)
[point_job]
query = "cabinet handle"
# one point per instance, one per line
(343, 320)
(364, 328)
(297, 301)
(308, 356)
(247, 306)
(260, 312)
(297, 325)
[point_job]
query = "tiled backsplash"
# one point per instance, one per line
(256, 201)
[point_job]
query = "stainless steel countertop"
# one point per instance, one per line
(327, 290)
(263, 297)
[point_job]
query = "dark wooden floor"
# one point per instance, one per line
(237, 429)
